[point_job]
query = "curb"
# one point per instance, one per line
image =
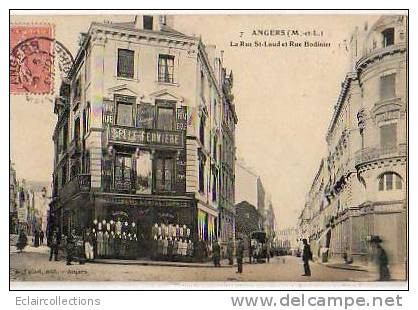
(155, 263)
(348, 267)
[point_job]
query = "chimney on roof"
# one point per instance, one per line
(153, 22)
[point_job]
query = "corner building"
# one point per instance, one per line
(360, 188)
(145, 135)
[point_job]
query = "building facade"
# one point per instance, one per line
(145, 135)
(360, 188)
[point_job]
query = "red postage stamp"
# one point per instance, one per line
(31, 59)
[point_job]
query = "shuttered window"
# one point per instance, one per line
(125, 63)
(387, 86)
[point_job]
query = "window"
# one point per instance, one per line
(64, 174)
(77, 129)
(201, 173)
(166, 68)
(388, 137)
(215, 144)
(388, 37)
(202, 84)
(214, 185)
(143, 173)
(77, 90)
(387, 86)
(125, 63)
(122, 172)
(165, 118)
(147, 20)
(124, 113)
(202, 129)
(164, 173)
(390, 181)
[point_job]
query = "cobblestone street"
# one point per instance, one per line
(34, 266)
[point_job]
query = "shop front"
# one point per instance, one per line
(129, 227)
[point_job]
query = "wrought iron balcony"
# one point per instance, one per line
(78, 184)
(374, 153)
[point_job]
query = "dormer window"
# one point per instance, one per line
(148, 20)
(388, 37)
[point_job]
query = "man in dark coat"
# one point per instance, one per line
(41, 237)
(54, 244)
(240, 254)
(230, 253)
(216, 254)
(36, 243)
(70, 246)
(306, 257)
(382, 259)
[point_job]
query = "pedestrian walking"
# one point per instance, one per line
(41, 237)
(230, 252)
(36, 242)
(251, 252)
(240, 254)
(22, 241)
(381, 259)
(216, 250)
(306, 257)
(70, 246)
(54, 244)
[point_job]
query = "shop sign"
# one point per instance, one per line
(146, 136)
(147, 202)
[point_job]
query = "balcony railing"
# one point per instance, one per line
(79, 184)
(150, 137)
(373, 153)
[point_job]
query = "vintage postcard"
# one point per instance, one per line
(231, 147)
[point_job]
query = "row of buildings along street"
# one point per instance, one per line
(359, 191)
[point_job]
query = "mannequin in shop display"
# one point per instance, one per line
(188, 233)
(170, 248)
(106, 244)
(181, 232)
(165, 246)
(123, 247)
(179, 247)
(99, 242)
(112, 244)
(160, 246)
(154, 230)
(159, 231)
(170, 230)
(190, 248)
(177, 231)
(154, 246)
(117, 244)
(108, 227)
(118, 227)
(184, 248)
(163, 230)
(175, 247)
(112, 225)
(166, 231)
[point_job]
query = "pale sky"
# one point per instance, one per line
(283, 97)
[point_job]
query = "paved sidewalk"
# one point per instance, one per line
(370, 272)
(31, 249)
